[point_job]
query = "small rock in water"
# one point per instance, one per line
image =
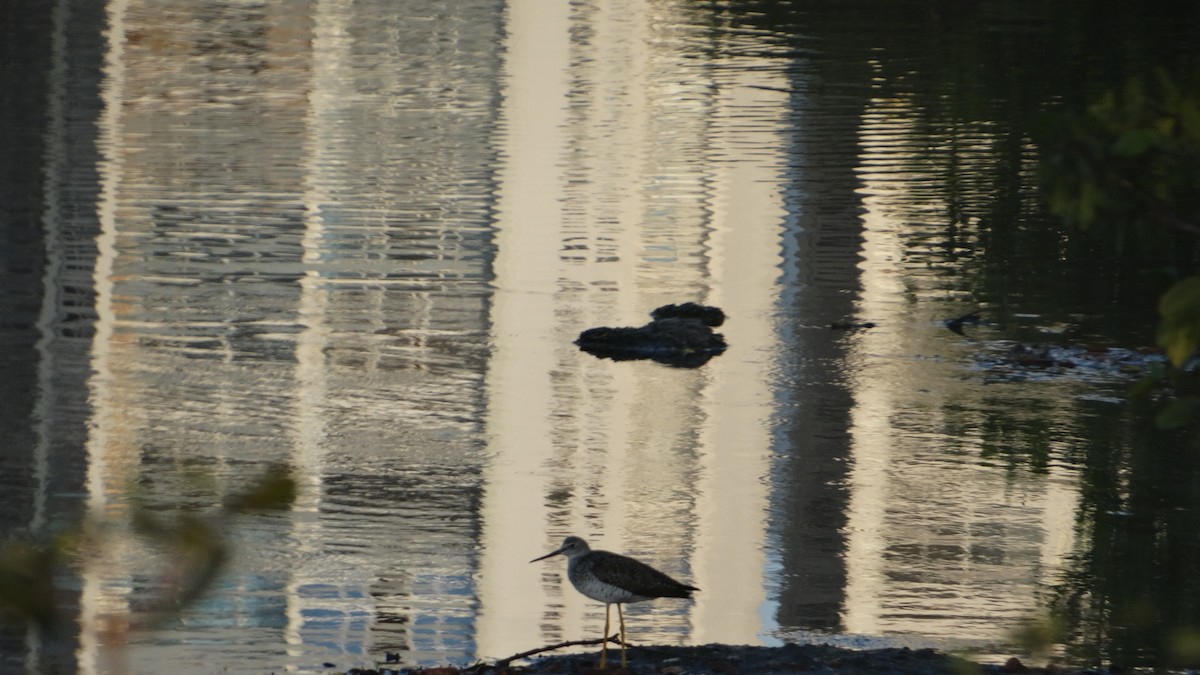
(848, 325)
(1014, 665)
(956, 324)
(709, 316)
(679, 335)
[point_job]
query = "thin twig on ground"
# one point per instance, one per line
(502, 664)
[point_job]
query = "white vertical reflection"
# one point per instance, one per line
(747, 213)
(916, 516)
(519, 393)
(631, 178)
(104, 597)
(870, 418)
(329, 55)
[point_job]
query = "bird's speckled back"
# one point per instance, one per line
(609, 577)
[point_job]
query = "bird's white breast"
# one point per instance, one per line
(602, 592)
(585, 582)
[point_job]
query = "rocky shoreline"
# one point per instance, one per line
(718, 659)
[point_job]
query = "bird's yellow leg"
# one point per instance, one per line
(621, 615)
(604, 645)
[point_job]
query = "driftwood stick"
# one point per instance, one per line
(502, 664)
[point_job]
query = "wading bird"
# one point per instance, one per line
(614, 579)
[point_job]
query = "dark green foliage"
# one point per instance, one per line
(27, 584)
(1128, 170)
(1129, 167)
(1179, 332)
(193, 547)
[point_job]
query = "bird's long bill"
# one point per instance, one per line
(548, 555)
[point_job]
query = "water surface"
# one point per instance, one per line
(358, 240)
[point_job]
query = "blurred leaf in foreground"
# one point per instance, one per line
(27, 584)
(181, 555)
(1179, 332)
(276, 490)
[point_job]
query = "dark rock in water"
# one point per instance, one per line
(848, 325)
(672, 340)
(956, 324)
(664, 335)
(709, 316)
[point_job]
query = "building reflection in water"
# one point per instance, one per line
(358, 239)
(626, 185)
(919, 517)
(279, 284)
